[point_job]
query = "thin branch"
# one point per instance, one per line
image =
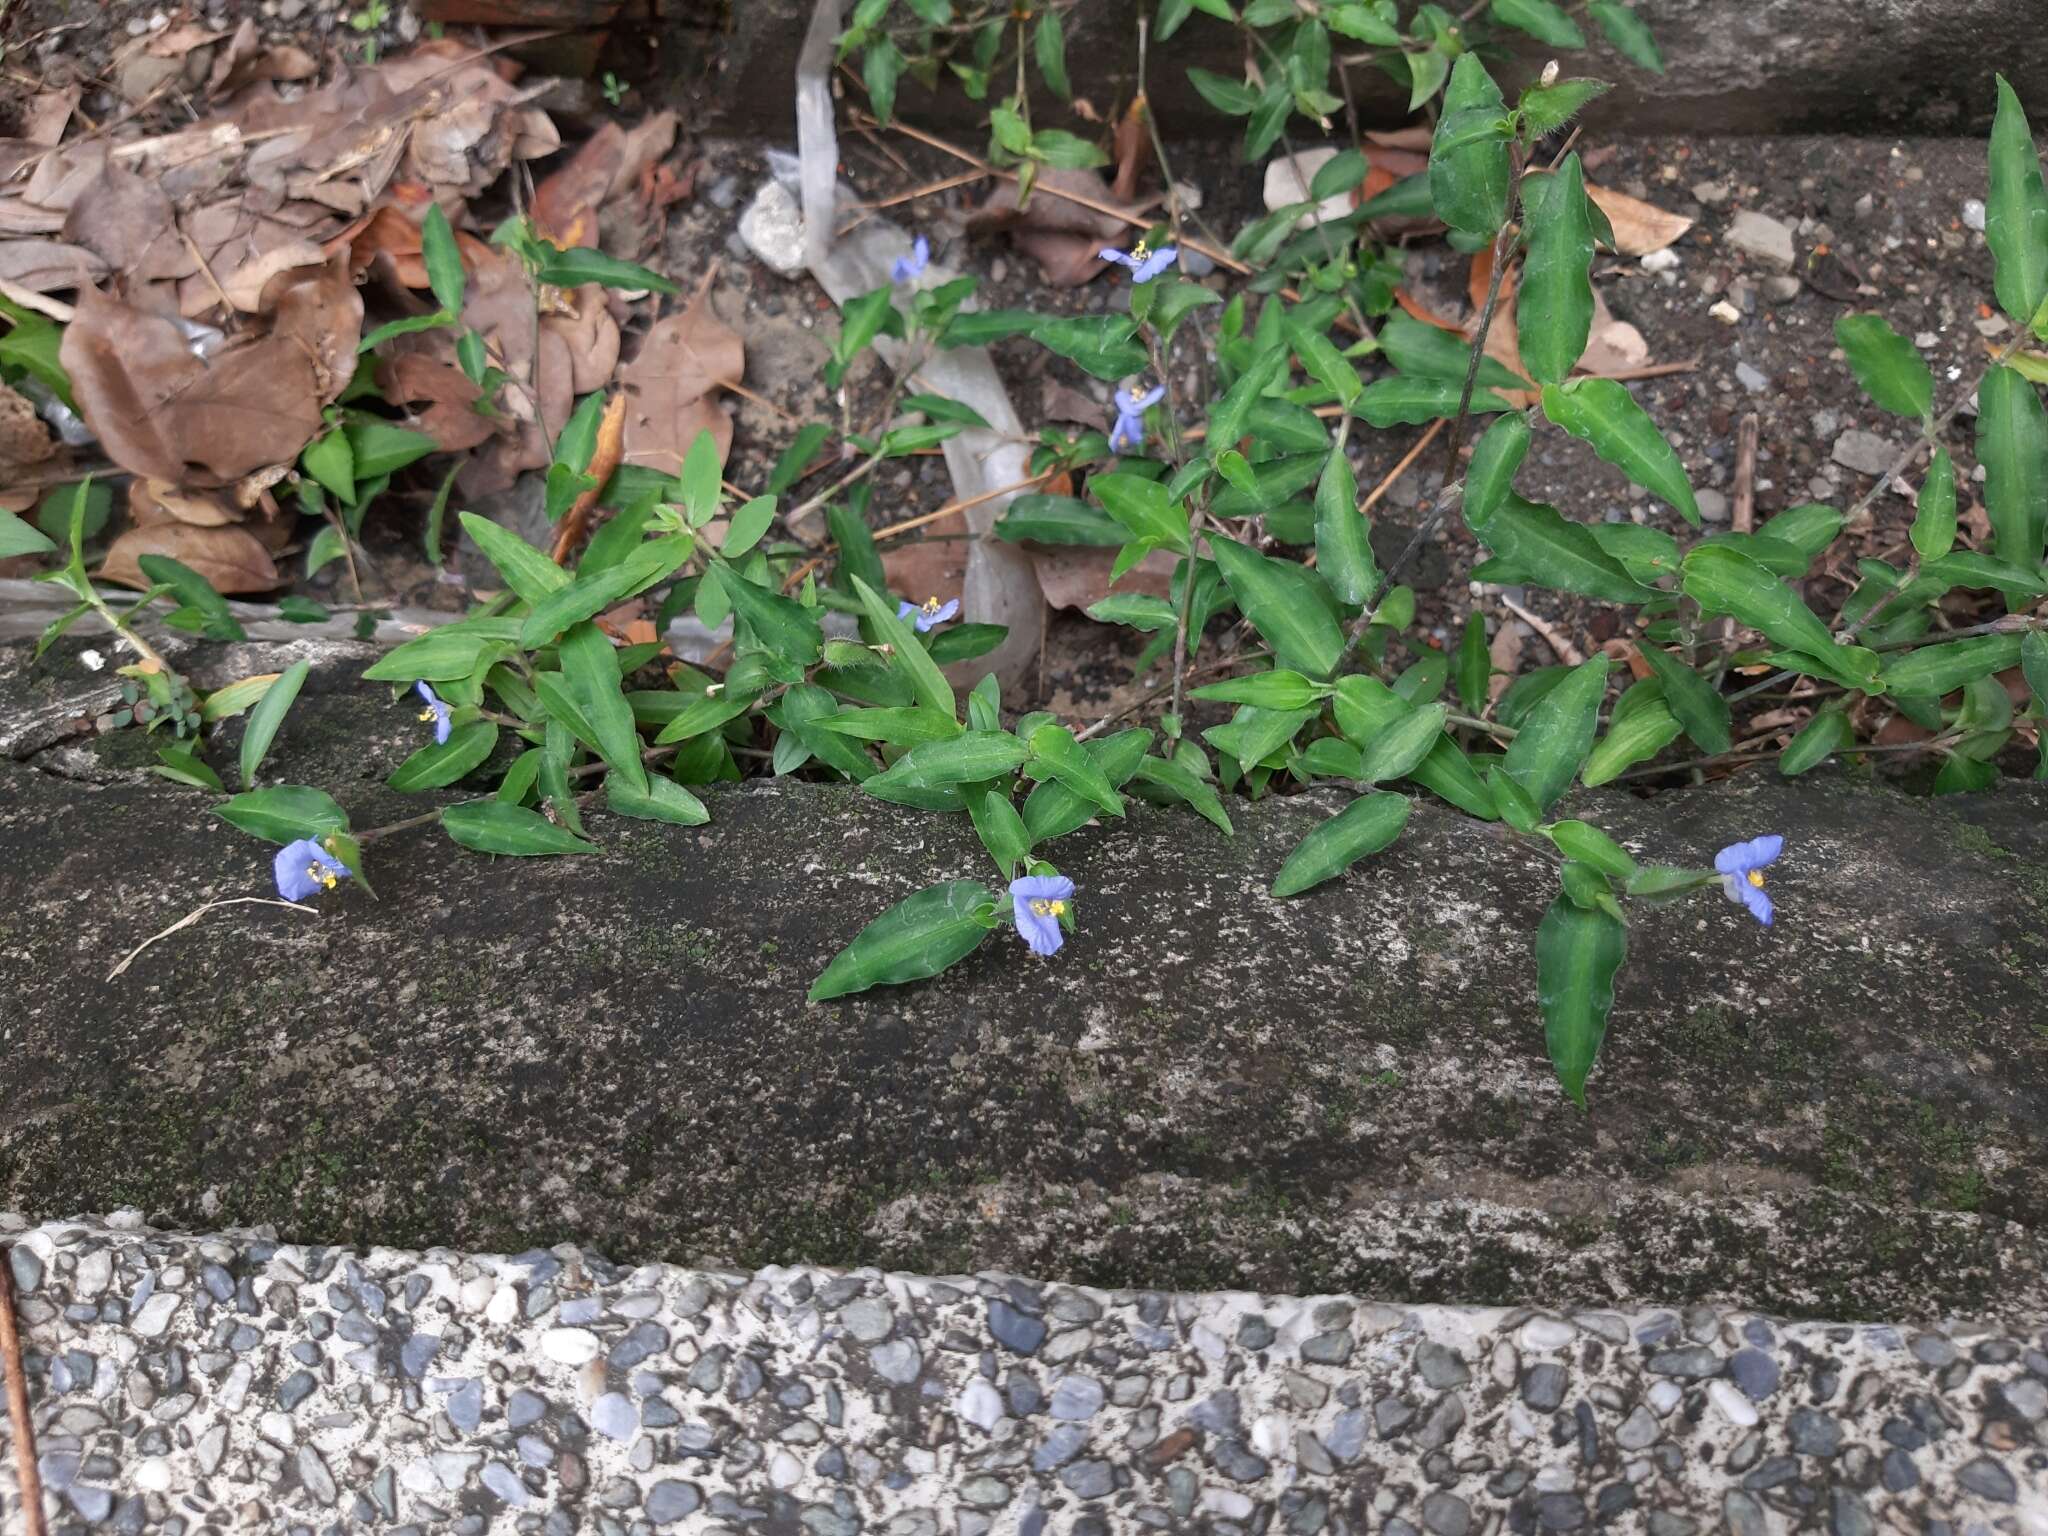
(197, 913)
(25, 1471)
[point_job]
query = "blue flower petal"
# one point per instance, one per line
(947, 610)
(1043, 934)
(1758, 900)
(296, 866)
(1042, 888)
(1153, 265)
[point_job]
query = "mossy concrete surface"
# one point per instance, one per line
(1843, 1116)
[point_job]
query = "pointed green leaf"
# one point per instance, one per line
(1934, 523)
(1554, 305)
(971, 757)
(1889, 367)
(284, 813)
(442, 655)
(1547, 108)
(1422, 350)
(1490, 478)
(443, 259)
(268, 716)
(492, 826)
(1286, 603)
(1230, 416)
(1344, 534)
(1633, 738)
(779, 624)
(1541, 20)
(1935, 670)
(1408, 400)
(590, 668)
(2012, 445)
(1589, 845)
(439, 764)
(1396, 750)
(194, 591)
(1229, 96)
(1365, 826)
(1470, 168)
(1821, 737)
(528, 572)
(1605, 414)
(1578, 952)
(1627, 31)
(1144, 508)
(1179, 781)
(1054, 749)
(1545, 548)
(593, 591)
(918, 937)
(1695, 702)
(1053, 810)
(181, 767)
(2034, 666)
(1474, 671)
(907, 655)
(665, 800)
(2016, 212)
(1724, 581)
(1267, 690)
(1545, 756)
(581, 264)
(18, 538)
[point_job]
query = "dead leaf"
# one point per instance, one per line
(1639, 227)
(922, 568)
(319, 310)
(1064, 260)
(42, 122)
(24, 440)
(162, 412)
(44, 266)
(684, 357)
(1132, 150)
(1416, 137)
(245, 284)
(1076, 576)
(1614, 346)
(1062, 402)
(152, 503)
(174, 42)
(451, 417)
(1001, 212)
(564, 207)
(592, 337)
(230, 559)
(130, 224)
(1505, 657)
(604, 458)
(244, 61)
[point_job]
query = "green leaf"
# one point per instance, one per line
(779, 624)
(1229, 416)
(1632, 738)
(1474, 671)
(327, 546)
(1541, 20)
(1630, 36)
(1821, 737)
(1396, 750)
(1724, 581)
(1001, 830)
(492, 826)
(881, 66)
(590, 668)
(1422, 350)
(665, 800)
(1605, 414)
(380, 448)
(1589, 845)
(1427, 72)
(1327, 366)
(1368, 22)
(1469, 175)
(1889, 367)
(442, 763)
(284, 813)
(1545, 757)
(1365, 826)
(1547, 549)
(1511, 802)
(594, 591)
(964, 642)
(408, 325)
(1935, 670)
(530, 574)
(18, 538)
(1263, 487)
(1286, 603)
(444, 654)
(796, 458)
(1135, 610)
(1554, 305)
(1144, 508)
(1490, 478)
(1406, 400)
(443, 259)
(1934, 524)
(194, 591)
(1054, 749)
(747, 527)
(2016, 212)
(1578, 952)
(916, 938)
(1344, 535)
(331, 461)
(33, 344)
(1053, 810)
(897, 726)
(579, 265)
(1692, 700)
(1049, 44)
(1179, 781)
(907, 656)
(1266, 690)
(1103, 345)
(1058, 520)
(181, 767)
(969, 757)
(1229, 96)
(1547, 108)
(2012, 445)
(268, 716)
(1268, 120)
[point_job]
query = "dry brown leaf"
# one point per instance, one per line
(922, 568)
(1064, 260)
(160, 411)
(564, 207)
(43, 120)
(130, 224)
(1639, 227)
(1504, 656)
(684, 357)
(244, 61)
(320, 311)
(1417, 136)
(231, 559)
(1001, 212)
(1062, 402)
(1614, 345)
(174, 42)
(592, 336)
(44, 266)
(604, 458)
(23, 438)
(1073, 576)
(451, 417)
(1132, 150)
(245, 284)
(152, 503)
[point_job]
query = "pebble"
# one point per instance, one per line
(1733, 1405)
(1077, 1397)
(1639, 1430)
(1331, 1348)
(898, 1361)
(1973, 214)
(1813, 1433)
(868, 1320)
(1762, 238)
(1016, 1331)
(1989, 1480)
(1690, 1363)
(1440, 1366)
(1865, 452)
(772, 229)
(1546, 1334)
(1713, 505)
(1751, 379)
(569, 1346)
(1543, 1387)
(613, 1415)
(1725, 312)
(1754, 1371)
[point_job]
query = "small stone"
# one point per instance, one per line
(1743, 1514)
(1077, 1397)
(1560, 1511)
(612, 1415)
(2027, 1397)
(1545, 1334)
(773, 229)
(980, 1405)
(1754, 1371)
(1752, 379)
(868, 1320)
(1664, 1396)
(1016, 1331)
(1897, 1471)
(1848, 1515)
(1781, 288)
(1442, 1367)
(1331, 1348)
(1639, 1431)
(1254, 1332)
(1543, 1387)
(523, 1408)
(1692, 1363)
(671, 1500)
(897, 1361)
(1762, 238)
(1060, 1447)
(1446, 1514)
(1733, 1405)
(1090, 1479)
(1443, 1423)
(155, 1314)
(1235, 1461)
(1867, 454)
(1713, 505)
(1987, 1479)
(1928, 1348)
(28, 1269)
(1391, 1415)
(1813, 1433)
(1711, 193)
(569, 1346)
(1973, 214)
(985, 1492)
(314, 1476)
(1726, 313)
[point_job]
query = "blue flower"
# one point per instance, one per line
(1037, 902)
(913, 265)
(1741, 867)
(931, 615)
(1145, 263)
(1129, 431)
(305, 869)
(435, 711)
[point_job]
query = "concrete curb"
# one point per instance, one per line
(230, 1381)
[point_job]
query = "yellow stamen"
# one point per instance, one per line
(1756, 878)
(1042, 907)
(1140, 251)
(426, 714)
(322, 874)
(932, 605)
